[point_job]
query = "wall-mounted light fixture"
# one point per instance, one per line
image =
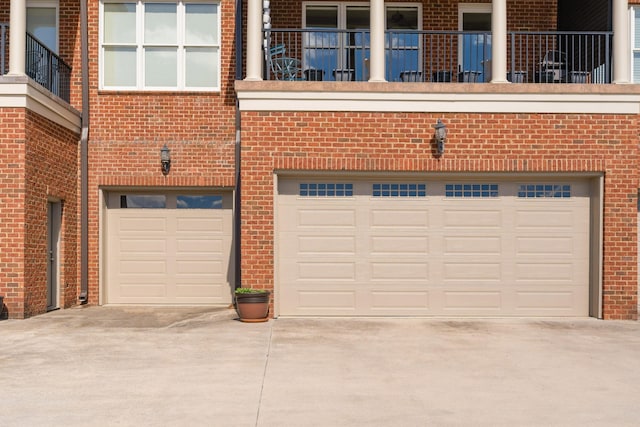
(165, 159)
(440, 136)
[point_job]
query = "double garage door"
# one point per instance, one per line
(350, 247)
(170, 248)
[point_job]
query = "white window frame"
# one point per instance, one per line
(140, 47)
(634, 12)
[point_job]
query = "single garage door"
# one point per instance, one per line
(172, 248)
(383, 247)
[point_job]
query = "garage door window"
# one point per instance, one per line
(471, 190)
(399, 190)
(326, 189)
(142, 201)
(531, 191)
(199, 202)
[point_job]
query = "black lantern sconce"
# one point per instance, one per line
(165, 159)
(440, 136)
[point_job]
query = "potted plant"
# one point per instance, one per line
(252, 305)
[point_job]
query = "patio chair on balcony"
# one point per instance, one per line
(552, 68)
(282, 66)
(411, 76)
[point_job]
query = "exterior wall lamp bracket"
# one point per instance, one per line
(440, 136)
(165, 159)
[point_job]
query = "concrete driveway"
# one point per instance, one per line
(105, 366)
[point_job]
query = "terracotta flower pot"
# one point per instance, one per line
(253, 307)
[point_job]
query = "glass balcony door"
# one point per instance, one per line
(42, 22)
(403, 44)
(475, 47)
(341, 46)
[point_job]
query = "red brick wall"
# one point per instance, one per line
(12, 202)
(51, 161)
(38, 161)
(69, 40)
(128, 129)
(340, 142)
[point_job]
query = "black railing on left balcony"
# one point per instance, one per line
(47, 69)
(41, 64)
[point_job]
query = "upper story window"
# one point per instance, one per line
(160, 46)
(635, 44)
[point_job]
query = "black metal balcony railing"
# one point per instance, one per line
(439, 56)
(41, 64)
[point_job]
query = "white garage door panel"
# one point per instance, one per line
(134, 225)
(405, 271)
(472, 219)
(398, 301)
(133, 290)
(140, 246)
(398, 220)
(168, 255)
(548, 301)
(433, 255)
(399, 245)
(472, 245)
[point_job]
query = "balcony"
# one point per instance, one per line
(41, 65)
(438, 56)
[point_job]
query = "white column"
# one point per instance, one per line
(621, 48)
(499, 41)
(376, 64)
(17, 36)
(254, 40)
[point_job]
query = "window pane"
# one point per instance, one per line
(160, 23)
(322, 17)
(471, 190)
(636, 26)
(120, 66)
(636, 45)
(325, 190)
(199, 202)
(160, 67)
(140, 201)
(405, 18)
(358, 17)
(476, 21)
(201, 67)
(201, 25)
(399, 190)
(41, 22)
(120, 23)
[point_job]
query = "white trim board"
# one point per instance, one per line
(576, 103)
(22, 93)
